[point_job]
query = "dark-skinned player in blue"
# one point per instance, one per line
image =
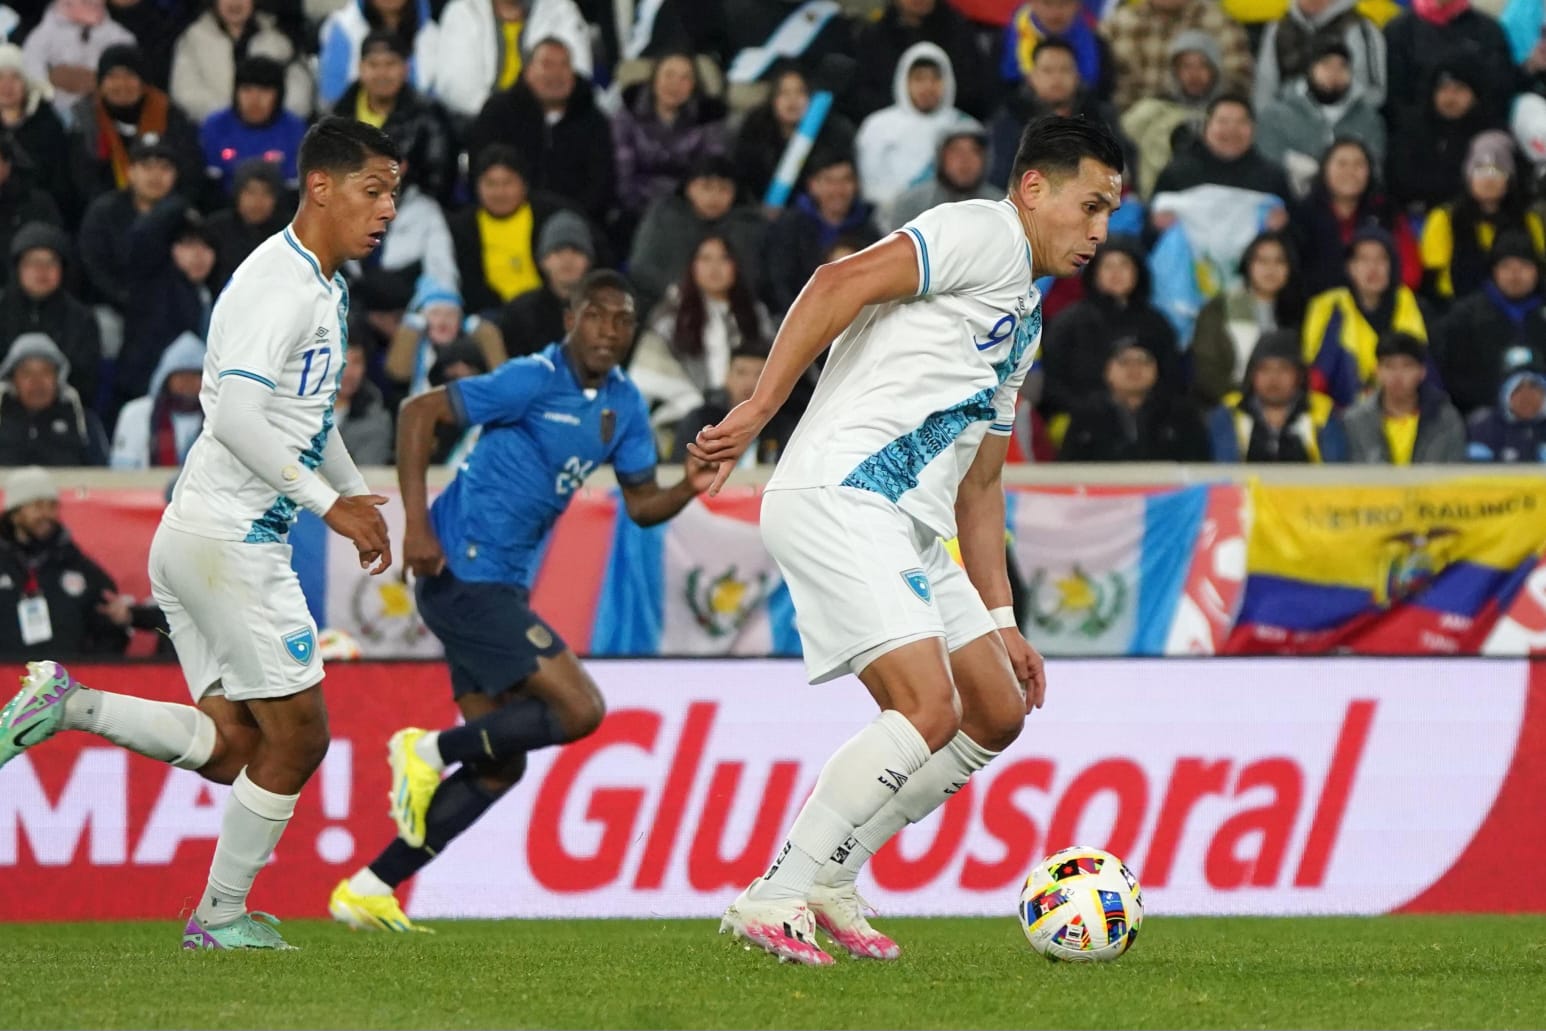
(547, 421)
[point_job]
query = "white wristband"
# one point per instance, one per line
(1004, 617)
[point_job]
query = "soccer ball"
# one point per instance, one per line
(337, 646)
(1081, 905)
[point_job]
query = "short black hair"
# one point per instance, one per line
(1054, 145)
(600, 279)
(1053, 43)
(926, 62)
(1239, 99)
(338, 145)
(500, 155)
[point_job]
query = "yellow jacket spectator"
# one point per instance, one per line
(1342, 327)
(1458, 236)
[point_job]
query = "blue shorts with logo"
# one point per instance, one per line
(493, 639)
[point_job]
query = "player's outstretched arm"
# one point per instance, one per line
(831, 300)
(980, 533)
(649, 503)
(416, 422)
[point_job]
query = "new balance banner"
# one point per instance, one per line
(1259, 786)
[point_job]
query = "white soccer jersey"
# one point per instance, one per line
(912, 386)
(278, 322)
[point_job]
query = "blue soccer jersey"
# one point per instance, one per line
(543, 434)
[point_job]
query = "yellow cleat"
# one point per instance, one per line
(413, 785)
(370, 912)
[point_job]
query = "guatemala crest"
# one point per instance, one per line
(723, 604)
(301, 644)
(1077, 602)
(918, 582)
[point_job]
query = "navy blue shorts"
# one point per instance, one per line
(491, 636)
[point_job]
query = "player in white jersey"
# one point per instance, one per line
(219, 564)
(903, 444)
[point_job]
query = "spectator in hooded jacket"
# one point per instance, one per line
(1140, 34)
(126, 109)
(550, 117)
(1133, 416)
(1053, 86)
(21, 202)
(1457, 236)
(1405, 420)
(1343, 326)
(1472, 339)
(673, 225)
(1115, 307)
(565, 253)
(1344, 197)
(43, 420)
(1288, 46)
(436, 321)
(879, 48)
(896, 145)
(338, 59)
(827, 209)
(383, 97)
(1157, 124)
(1061, 21)
(1428, 143)
(38, 302)
(1514, 430)
(768, 128)
(666, 123)
(64, 49)
(255, 125)
(156, 431)
(1433, 32)
(1267, 299)
(1275, 417)
(27, 117)
(481, 46)
(205, 60)
(1296, 128)
(960, 173)
(261, 207)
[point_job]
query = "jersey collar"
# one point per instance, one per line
(306, 256)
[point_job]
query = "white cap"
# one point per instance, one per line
(28, 484)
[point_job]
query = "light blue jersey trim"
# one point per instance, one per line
(923, 254)
(244, 374)
(271, 526)
(315, 268)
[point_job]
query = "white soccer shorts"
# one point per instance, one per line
(237, 616)
(863, 574)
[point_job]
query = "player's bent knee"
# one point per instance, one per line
(496, 776)
(936, 723)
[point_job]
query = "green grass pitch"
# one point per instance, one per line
(1392, 972)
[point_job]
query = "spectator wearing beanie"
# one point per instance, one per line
(666, 123)
(27, 117)
(43, 420)
(64, 48)
(1515, 430)
(20, 201)
(673, 225)
(1133, 416)
(262, 207)
(338, 60)
(1405, 420)
(436, 322)
(37, 302)
(209, 52)
(124, 108)
(1457, 236)
(1275, 417)
(827, 208)
(565, 253)
(256, 125)
(1288, 44)
(1505, 314)
(1343, 326)
(1296, 128)
(382, 96)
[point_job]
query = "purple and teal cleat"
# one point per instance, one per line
(36, 712)
(249, 931)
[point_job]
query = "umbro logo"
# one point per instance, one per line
(321, 333)
(896, 781)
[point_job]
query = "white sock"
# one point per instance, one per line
(250, 828)
(428, 748)
(946, 772)
(171, 733)
(860, 778)
(365, 882)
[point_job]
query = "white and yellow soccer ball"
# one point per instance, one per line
(1081, 905)
(338, 646)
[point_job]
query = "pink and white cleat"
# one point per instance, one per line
(784, 929)
(840, 914)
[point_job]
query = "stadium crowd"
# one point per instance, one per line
(1330, 250)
